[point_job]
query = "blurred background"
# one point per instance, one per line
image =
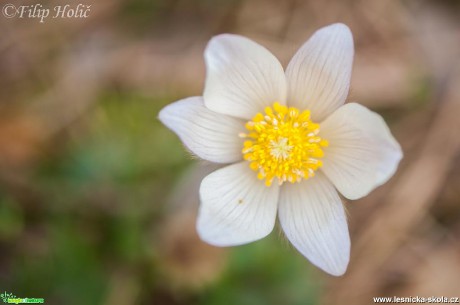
(98, 199)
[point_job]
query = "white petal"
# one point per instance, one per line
(209, 135)
(236, 208)
(242, 77)
(362, 152)
(319, 73)
(313, 219)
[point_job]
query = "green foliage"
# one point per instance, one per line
(11, 220)
(265, 272)
(100, 201)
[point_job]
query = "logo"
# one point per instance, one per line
(5, 296)
(12, 299)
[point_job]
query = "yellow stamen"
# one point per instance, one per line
(283, 143)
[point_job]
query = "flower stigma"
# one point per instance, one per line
(283, 144)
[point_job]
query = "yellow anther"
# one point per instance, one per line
(283, 144)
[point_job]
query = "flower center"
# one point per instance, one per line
(283, 144)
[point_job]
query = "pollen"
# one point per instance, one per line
(283, 144)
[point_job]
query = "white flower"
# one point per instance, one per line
(290, 141)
